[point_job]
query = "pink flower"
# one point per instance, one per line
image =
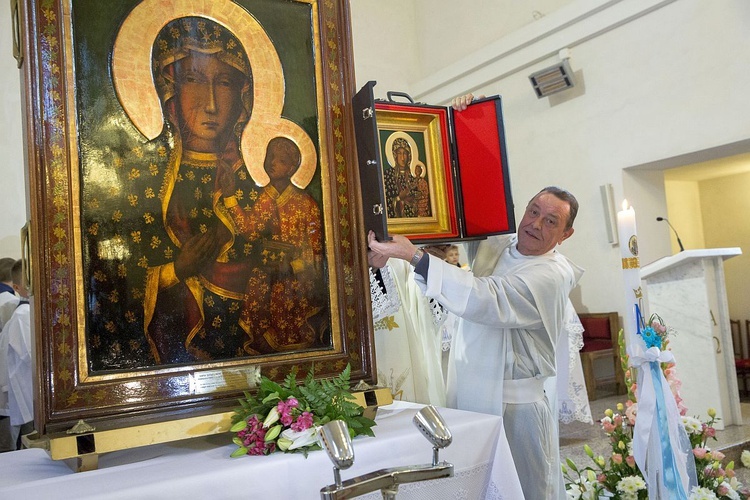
(601, 478)
(717, 455)
(709, 431)
(630, 460)
(304, 422)
(618, 420)
(616, 458)
(722, 490)
(658, 327)
(631, 412)
(700, 453)
(285, 410)
(253, 438)
(608, 426)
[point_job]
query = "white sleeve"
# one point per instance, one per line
(498, 301)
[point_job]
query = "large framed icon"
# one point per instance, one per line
(193, 217)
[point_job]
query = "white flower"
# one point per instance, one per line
(301, 438)
(271, 418)
(700, 493)
(583, 489)
(745, 458)
(631, 484)
(573, 494)
(730, 490)
(692, 425)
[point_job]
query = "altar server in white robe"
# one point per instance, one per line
(8, 302)
(407, 336)
(20, 391)
(512, 307)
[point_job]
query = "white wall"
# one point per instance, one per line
(12, 192)
(661, 79)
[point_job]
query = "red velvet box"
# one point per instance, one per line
(430, 173)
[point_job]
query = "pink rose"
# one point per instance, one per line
(617, 458)
(630, 460)
(631, 413)
(709, 432)
(722, 490)
(700, 453)
(717, 455)
(601, 478)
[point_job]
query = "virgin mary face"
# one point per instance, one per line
(208, 98)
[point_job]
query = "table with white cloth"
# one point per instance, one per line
(202, 468)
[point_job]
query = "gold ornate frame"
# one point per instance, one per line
(429, 124)
(67, 391)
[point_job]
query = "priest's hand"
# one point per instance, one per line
(462, 102)
(376, 260)
(400, 247)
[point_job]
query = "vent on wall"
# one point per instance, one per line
(552, 79)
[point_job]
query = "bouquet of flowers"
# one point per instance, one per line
(617, 476)
(287, 416)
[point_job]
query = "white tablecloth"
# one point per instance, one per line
(201, 468)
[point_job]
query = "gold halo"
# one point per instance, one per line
(131, 59)
(413, 169)
(290, 130)
(412, 145)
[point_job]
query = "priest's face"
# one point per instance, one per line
(543, 225)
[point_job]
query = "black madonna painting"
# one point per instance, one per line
(407, 189)
(201, 190)
(195, 205)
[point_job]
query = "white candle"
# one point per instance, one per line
(631, 269)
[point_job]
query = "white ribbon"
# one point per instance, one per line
(648, 441)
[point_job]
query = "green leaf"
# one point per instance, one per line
(271, 397)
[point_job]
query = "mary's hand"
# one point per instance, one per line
(196, 252)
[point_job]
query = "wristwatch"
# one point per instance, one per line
(417, 257)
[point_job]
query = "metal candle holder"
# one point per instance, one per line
(334, 437)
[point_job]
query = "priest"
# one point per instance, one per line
(512, 307)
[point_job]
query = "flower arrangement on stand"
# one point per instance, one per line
(287, 416)
(617, 475)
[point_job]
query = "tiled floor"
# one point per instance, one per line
(731, 441)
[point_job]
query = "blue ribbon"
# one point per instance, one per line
(638, 319)
(671, 475)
